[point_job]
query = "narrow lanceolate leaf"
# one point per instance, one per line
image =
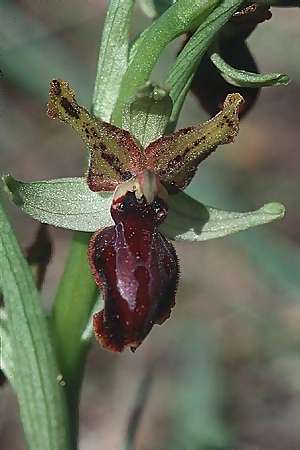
(6, 353)
(243, 78)
(183, 16)
(192, 221)
(114, 153)
(176, 157)
(113, 57)
(41, 399)
(147, 115)
(66, 203)
(181, 74)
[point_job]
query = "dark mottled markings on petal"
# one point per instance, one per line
(173, 162)
(69, 108)
(105, 171)
(112, 160)
(185, 131)
(126, 175)
(94, 132)
(56, 87)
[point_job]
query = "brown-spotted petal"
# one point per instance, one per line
(137, 268)
(175, 158)
(115, 156)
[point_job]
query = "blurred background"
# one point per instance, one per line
(225, 369)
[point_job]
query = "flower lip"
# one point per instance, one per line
(136, 267)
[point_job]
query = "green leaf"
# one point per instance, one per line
(6, 358)
(113, 57)
(154, 8)
(41, 399)
(187, 219)
(66, 203)
(181, 74)
(147, 115)
(243, 78)
(183, 16)
(192, 221)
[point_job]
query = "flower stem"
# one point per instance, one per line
(75, 298)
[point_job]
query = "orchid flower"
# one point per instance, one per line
(133, 202)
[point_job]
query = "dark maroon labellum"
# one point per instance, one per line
(137, 268)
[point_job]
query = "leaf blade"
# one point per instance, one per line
(6, 353)
(154, 8)
(113, 57)
(41, 400)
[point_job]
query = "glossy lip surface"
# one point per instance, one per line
(138, 270)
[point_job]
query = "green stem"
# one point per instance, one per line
(75, 298)
(183, 16)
